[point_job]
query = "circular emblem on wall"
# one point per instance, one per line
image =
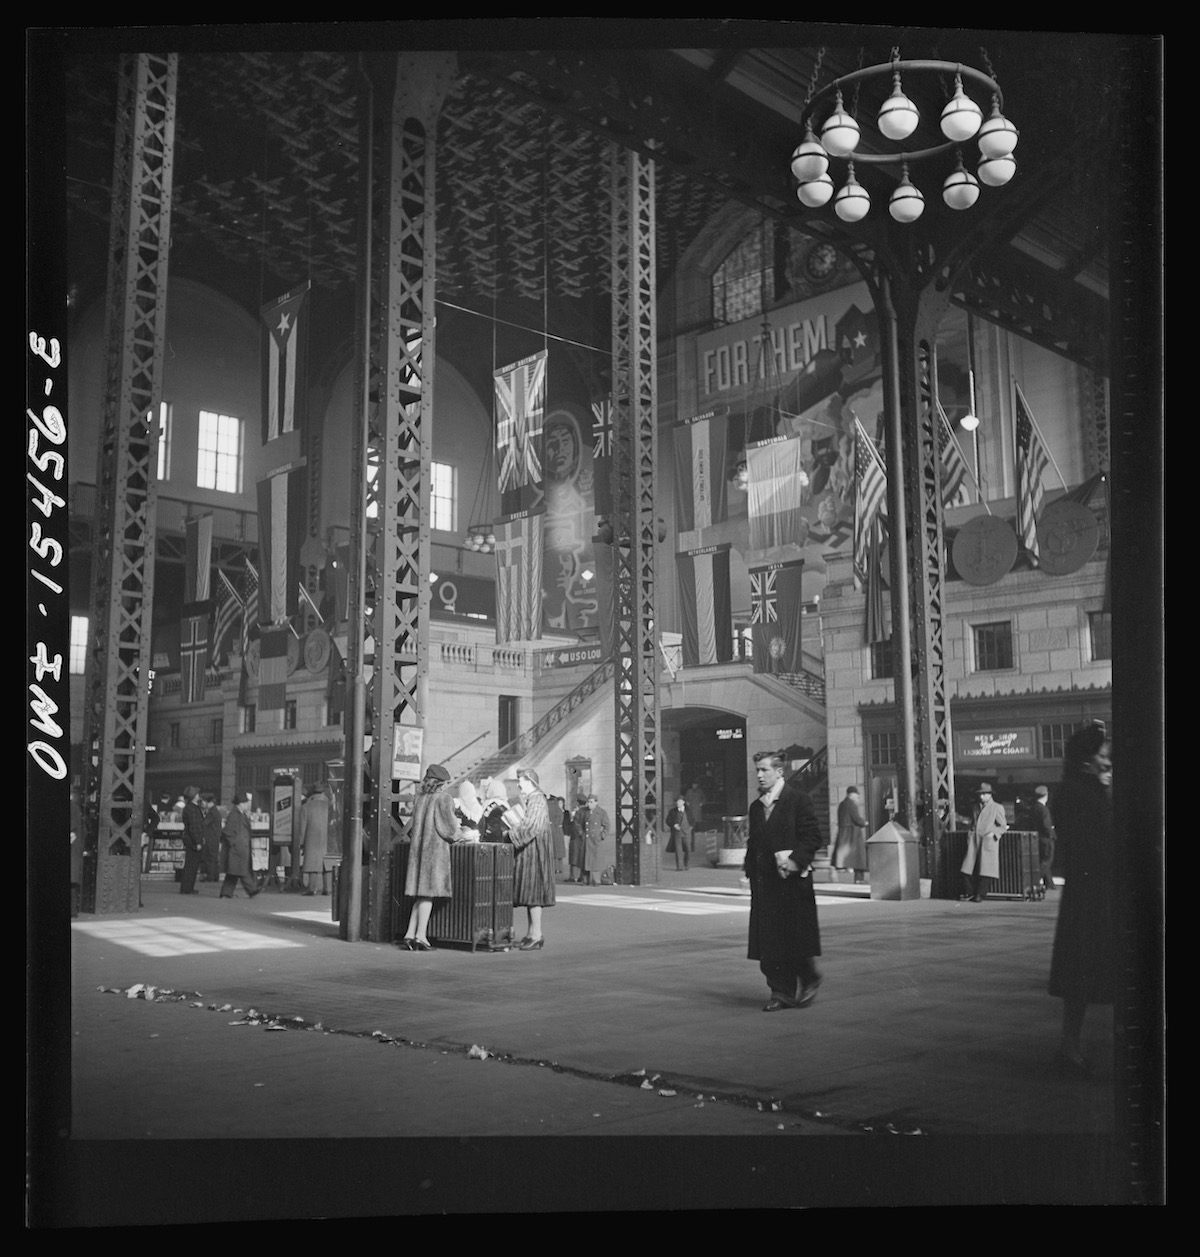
(777, 647)
(1068, 534)
(253, 657)
(316, 650)
(821, 262)
(985, 549)
(293, 654)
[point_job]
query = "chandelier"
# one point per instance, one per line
(832, 133)
(481, 538)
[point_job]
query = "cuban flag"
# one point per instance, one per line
(285, 338)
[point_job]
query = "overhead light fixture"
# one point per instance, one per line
(969, 421)
(959, 121)
(481, 538)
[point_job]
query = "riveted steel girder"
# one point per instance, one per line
(391, 528)
(635, 437)
(122, 593)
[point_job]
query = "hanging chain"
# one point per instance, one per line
(812, 83)
(862, 56)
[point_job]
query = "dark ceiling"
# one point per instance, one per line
(267, 156)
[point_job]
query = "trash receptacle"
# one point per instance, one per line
(732, 853)
(893, 863)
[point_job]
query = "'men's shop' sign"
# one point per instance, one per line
(994, 745)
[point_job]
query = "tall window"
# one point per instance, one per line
(216, 730)
(884, 749)
(249, 718)
(744, 284)
(993, 646)
(1054, 739)
(77, 654)
(289, 713)
(219, 453)
(442, 497)
(173, 734)
(508, 708)
(164, 441)
(881, 660)
(1100, 629)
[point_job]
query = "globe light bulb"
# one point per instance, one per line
(898, 116)
(816, 192)
(961, 189)
(809, 161)
(962, 116)
(907, 203)
(997, 137)
(852, 201)
(996, 171)
(839, 135)
(969, 422)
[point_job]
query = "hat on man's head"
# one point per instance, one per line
(190, 792)
(984, 787)
(437, 772)
(1042, 792)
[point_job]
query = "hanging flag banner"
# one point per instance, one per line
(777, 492)
(870, 492)
(193, 650)
(701, 469)
(281, 531)
(273, 668)
(876, 627)
(705, 605)
(229, 611)
(520, 391)
(955, 489)
(519, 577)
(602, 456)
(198, 534)
(569, 591)
(775, 616)
(1032, 461)
(285, 340)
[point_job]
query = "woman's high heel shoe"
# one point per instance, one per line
(419, 944)
(532, 944)
(406, 944)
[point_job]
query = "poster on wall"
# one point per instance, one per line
(790, 404)
(407, 746)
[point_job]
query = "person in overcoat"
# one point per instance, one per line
(211, 824)
(435, 828)
(598, 852)
(981, 864)
(534, 866)
(1042, 824)
(1083, 961)
(554, 805)
(850, 848)
(679, 827)
(314, 839)
(577, 847)
(235, 838)
(783, 842)
(193, 840)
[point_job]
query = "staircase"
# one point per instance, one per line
(520, 747)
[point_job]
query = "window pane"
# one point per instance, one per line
(993, 647)
(164, 441)
(77, 654)
(441, 497)
(1100, 623)
(219, 453)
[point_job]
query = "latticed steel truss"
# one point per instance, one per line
(393, 462)
(118, 666)
(635, 447)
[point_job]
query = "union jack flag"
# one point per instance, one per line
(602, 428)
(520, 405)
(764, 609)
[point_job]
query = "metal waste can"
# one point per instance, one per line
(894, 863)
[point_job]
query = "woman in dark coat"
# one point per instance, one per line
(1082, 964)
(314, 838)
(533, 871)
(435, 827)
(679, 826)
(577, 847)
(235, 837)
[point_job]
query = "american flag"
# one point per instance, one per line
(521, 404)
(955, 490)
(870, 488)
(602, 429)
(249, 604)
(228, 611)
(1031, 467)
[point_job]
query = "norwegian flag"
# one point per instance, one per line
(602, 428)
(521, 406)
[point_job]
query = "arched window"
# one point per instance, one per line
(745, 283)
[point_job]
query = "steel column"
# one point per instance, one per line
(635, 449)
(122, 591)
(390, 543)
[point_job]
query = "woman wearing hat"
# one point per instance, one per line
(533, 871)
(313, 824)
(434, 829)
(982, 861)
(1083, 964)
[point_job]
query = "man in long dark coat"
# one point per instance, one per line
(784, 840)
